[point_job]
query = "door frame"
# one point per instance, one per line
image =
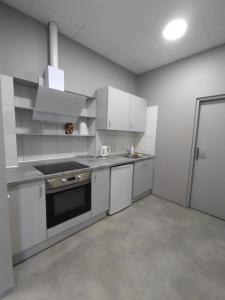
(199, 101)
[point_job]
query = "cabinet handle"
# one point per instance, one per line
(197, 153)
(9, 196)
(40, 191)
(109, 124)
(145, 166)
(131, 126)
(94, 178)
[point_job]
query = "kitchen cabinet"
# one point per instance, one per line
(118, 110)
(138, 114)
(113, 107)
(120, 188)
(100, 191)
(143, 176)
(27, 210)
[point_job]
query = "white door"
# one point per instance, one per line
(118, 110)
(138, 112)
(208, 189)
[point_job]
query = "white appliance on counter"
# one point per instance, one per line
(105, 151)
(121, 188)
(83, 128)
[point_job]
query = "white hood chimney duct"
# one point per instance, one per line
(53, 103)
(54, 77)
(53, 44)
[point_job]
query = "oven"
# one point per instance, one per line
(67, 197)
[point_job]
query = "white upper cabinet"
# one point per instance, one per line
(113, 107)
(138, 111)
(118, 110)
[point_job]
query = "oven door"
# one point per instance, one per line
(63, 204)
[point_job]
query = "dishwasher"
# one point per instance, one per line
(121, 188)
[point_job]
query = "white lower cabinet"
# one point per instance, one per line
(27, 209)
(143, 176)
(100, 191)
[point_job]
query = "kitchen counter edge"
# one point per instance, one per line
(28, 173)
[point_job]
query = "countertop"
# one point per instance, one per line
(26, 172)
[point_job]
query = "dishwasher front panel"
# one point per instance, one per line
(121, 188)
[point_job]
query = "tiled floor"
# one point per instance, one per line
(152, 250)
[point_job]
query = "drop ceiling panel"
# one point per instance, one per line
(148, 12)
(89, 40)
(79, 11)
(129, 32)
(112, 25)
(136, 68)
(155, 60)
(116, 56)
(139, 45)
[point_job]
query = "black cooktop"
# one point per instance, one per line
(49, 169)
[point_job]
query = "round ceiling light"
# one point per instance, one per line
(175, 30)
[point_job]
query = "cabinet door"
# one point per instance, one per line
(138, 112)
(27, 210)
(100, 191)
(118, 110)
(143, 175)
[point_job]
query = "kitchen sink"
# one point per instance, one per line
(132, 156)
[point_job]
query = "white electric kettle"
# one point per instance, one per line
(105, 151)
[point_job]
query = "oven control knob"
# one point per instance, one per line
(78, 177)
(64, 180)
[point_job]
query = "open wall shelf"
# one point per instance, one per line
(32, 108)
(54, 134)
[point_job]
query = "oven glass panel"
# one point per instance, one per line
(69, 200)
(65, 205)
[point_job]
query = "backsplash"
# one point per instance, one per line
(118, 141)
(46, 147)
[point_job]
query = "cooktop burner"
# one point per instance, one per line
(49, 169)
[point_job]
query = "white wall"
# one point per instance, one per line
(174, 88)
(24, 54)
(6, 271)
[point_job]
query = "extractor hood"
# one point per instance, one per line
(53, 104)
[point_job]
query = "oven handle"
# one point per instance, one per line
(67, 187)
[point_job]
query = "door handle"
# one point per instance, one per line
(197, 153)
(40, 191)
(200, 153)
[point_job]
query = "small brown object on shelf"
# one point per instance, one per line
(69, 128)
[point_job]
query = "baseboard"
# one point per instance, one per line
(141, 196)
(171, 201)
(6, 293)
(24, 255)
